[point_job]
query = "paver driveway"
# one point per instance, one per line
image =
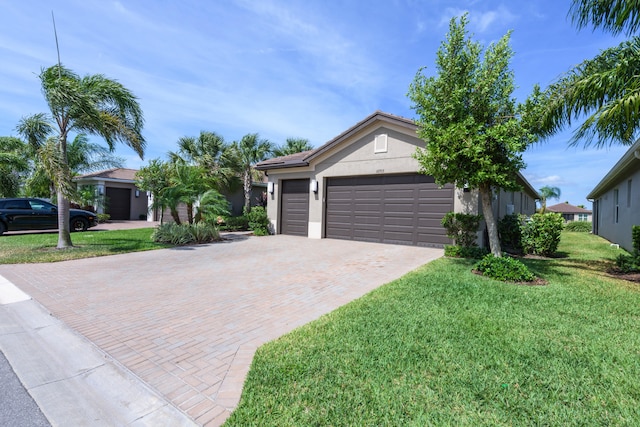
(187, 321)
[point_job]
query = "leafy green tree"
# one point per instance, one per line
(469, 120)
(154, 178)
(210, 151)
(547, 193)
(14, 164)
(292, 146)
(93, 105)
(606, 88)
(250, 150)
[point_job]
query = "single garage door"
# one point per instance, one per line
(295, 207)
(398, 209)
(119, 203)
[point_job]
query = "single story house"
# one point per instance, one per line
(364, 185)
(117, 194)
(616, 200)
(571, 213)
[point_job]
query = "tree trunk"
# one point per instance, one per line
(64, 236)
(175, 215)
(247, 189)
(190, 213)
(492, 225)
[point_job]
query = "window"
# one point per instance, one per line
(583, 217)
(615, 205)
(380, 143)
(629, 193)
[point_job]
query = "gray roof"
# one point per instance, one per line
(628, 163)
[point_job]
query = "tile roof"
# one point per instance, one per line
(567, 208)
(115, 173)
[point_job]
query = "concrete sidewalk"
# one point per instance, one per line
(72, 381)
(188, 320)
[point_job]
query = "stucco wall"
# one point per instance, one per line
(628, 211)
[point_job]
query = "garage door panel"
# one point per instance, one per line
(295, 207)
(399, 209)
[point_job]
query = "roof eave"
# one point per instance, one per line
(632, 155)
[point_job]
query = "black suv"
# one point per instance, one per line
(36, 214)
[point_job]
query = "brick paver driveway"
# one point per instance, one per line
(187, 321)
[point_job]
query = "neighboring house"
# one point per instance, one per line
(616, 200)
(571, 213)
(364, 185)
(117, 194)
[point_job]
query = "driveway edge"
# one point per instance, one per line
(72, 381)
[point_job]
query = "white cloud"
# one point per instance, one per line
(481, 22)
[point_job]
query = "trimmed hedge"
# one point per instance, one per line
(579, 226)
(505, 269)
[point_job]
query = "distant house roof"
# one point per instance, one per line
(305, 157)
(115, 174)
(567, 208)
(628, 163)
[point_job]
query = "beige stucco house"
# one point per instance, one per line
(117, 194)
(364, 185)
(570, 212)
(616, 200)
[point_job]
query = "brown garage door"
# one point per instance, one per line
(295, 207)
(119, 203)
(399, 209)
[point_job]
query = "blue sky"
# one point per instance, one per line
(309, 68)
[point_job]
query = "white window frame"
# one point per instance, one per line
(380, 143)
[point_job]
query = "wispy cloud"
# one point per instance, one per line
(481, 22)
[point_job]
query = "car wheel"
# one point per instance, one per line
(79, 224)
(3, 228)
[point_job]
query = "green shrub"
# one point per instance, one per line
(462, 228)
(510, 232)
(541, 234)
(102, 217)
(185, 234)
(629, 263)
(505, 269)
(635, 237)
(258, 221)
(235, 223)
(455, 251)
(579, 226)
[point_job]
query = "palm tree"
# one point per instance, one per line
(605, 88)
(209, 151)
(250, 150)
(13, 165)
(546, 193)
(292, 146)
(93, 105)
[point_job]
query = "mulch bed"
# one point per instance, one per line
(631, 277)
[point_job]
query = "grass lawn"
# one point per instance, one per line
(41, 247)
(442, 346)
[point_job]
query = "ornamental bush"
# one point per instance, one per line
(462, 228)
(635, 237)
(455, 251)
(579, 226)
(258, 221)
(185, 234)
(541, 234)
(510, 232)
(505, 269)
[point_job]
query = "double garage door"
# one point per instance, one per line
(398, 209)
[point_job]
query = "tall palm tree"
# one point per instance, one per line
(292, 146)
(605, 88)
(209, 151)
(250, 150)
(94, 105)
(547, 192)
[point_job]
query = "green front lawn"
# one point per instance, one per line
(442, 346)
(41, 247)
